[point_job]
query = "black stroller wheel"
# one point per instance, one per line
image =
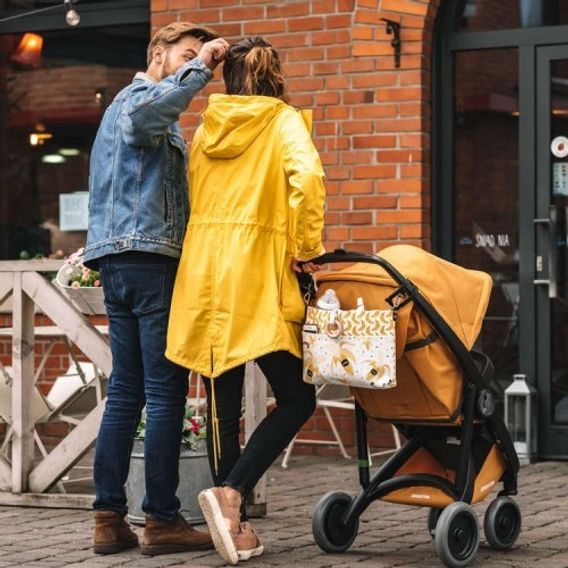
(433, 516)
(330, 534)
(502, 523)
(457, 535)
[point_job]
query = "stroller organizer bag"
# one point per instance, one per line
(354, 348)
(457, 448)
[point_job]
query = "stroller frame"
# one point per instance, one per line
(478, 405)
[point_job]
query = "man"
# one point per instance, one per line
(138, 211)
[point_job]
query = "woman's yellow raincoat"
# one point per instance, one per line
(257, 201)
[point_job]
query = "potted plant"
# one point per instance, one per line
(194, 472)
(81, 285)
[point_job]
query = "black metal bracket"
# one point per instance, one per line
(393, 28)
(405, 294)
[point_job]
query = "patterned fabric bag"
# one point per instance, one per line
(355, 348)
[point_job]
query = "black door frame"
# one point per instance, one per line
(554, 437)
(533, 331)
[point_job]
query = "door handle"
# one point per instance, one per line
(550, 225)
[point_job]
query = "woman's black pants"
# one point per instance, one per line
(295, 403)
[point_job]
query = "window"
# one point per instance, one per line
(54, 87)
(486, 15)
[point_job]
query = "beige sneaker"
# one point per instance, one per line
(247, 542)
(232, 539)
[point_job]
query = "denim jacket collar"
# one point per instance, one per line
(143, 76)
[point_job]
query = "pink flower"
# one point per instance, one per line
(73, 259)
(75, 284)
(97, 283)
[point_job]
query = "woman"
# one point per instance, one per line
(257, 207)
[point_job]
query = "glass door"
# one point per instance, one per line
(551, 251)
(485, 233)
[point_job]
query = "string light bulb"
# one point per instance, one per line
(72, 17)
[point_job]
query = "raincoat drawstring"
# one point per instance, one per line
(215, 429)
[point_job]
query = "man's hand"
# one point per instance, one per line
(213, 52)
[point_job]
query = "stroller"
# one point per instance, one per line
(458, 448)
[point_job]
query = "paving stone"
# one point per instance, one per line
(390, 536)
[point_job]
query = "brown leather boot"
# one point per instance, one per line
(166, 537)
(112, 533)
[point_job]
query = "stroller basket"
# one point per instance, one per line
(458, 449)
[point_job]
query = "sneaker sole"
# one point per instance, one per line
(220, 534)
(248, 554)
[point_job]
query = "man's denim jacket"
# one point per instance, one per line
(138, 191)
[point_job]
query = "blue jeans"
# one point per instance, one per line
(138, 290)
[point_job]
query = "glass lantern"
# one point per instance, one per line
(520, 417)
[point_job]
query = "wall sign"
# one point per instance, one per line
(560, 178)
(74, 211)
(559, 147)
(488, 240)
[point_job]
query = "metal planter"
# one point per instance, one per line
(194, 475)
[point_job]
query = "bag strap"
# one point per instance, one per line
(307, 286)
(421, 342)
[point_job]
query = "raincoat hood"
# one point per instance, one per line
(232, 122)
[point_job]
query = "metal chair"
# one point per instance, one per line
(328, 397)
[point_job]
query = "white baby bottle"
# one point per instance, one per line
(329, 300)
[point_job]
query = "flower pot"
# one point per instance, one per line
(88, 300)
(194, 476)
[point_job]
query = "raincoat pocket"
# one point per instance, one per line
(291, 303)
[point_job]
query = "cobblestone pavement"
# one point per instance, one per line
(389, 535)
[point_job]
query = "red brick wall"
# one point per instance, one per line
(57, 363)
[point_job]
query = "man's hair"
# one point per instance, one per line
(252, 67)
(172, 33)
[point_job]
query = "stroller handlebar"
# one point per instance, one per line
(341, 255)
